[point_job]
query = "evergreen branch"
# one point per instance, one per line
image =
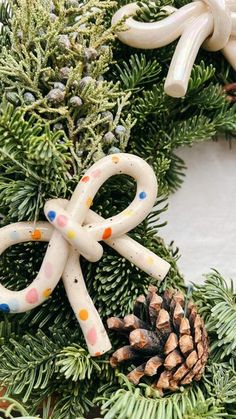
(30, 367)
(76, 364)
(192, 129)
(199, 75)
(220, 381)
(138, 71)
(152, 11)
(217, 305)
(130, 402)
(13, 407)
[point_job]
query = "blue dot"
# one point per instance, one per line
(142, 195)
(5, 308)
(15, 235)
(51, 215)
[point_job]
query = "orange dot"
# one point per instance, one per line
(47, 292)
(36, 234)
(83, 314)
(115, 159)
(107, 233)
(97, 354)
(89, 201)
(85, 179)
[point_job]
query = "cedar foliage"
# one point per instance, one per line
(46, 143)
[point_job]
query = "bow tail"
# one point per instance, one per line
(229, 52)
(185, 53)
(90, 322)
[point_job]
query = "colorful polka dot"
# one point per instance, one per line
(89, 201)
(14, 305)
(48, 269)
(14, 235)
(85, 179)
(62, 220)
(128, 212)
(51, 215)
(47, 292)
(96, 173)
(32, 296)
(150, 260)
(71, 234)
(142, 195)
(107, 233)
(5, 308)
(115, 159)
(83, 314)
(92, 336)
(36, 234)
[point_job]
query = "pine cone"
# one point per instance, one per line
(167, 341)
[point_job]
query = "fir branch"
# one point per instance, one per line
(220, 381)
(76, 364)
(138, 71)
(199, 75)
(152, 11)
(30, 366)
(217, 305)
(5, 17)
(31, 156)
(13, 408)
(130, 402)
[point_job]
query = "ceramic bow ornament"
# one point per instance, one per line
(210, 23)
(75, 230)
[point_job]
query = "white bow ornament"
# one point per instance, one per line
(74, 229)
(208, 22)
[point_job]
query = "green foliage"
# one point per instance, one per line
(220, 381)
(76, 363)
(30, 366)
(130, 402)
(35, 163)
(65, 47)
(152, 11)
(199, 75)
(14, 408)
(5, 17)
(217, 306)
(45, 145)
(138, 71)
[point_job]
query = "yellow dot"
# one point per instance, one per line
(83, 314)
(89, 201)
(150, 260)
(128, 212)
(47, 292)
(71, 234)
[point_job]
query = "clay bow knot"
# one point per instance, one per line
(76, 230)
(208, 22)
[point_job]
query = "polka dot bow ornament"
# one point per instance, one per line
(75, 230)
(210, 23)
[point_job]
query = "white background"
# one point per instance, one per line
(202, 213)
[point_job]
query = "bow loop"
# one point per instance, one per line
(222, 24)
(74, 229)
(207, 23)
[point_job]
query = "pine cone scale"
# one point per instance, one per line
(171, 340)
